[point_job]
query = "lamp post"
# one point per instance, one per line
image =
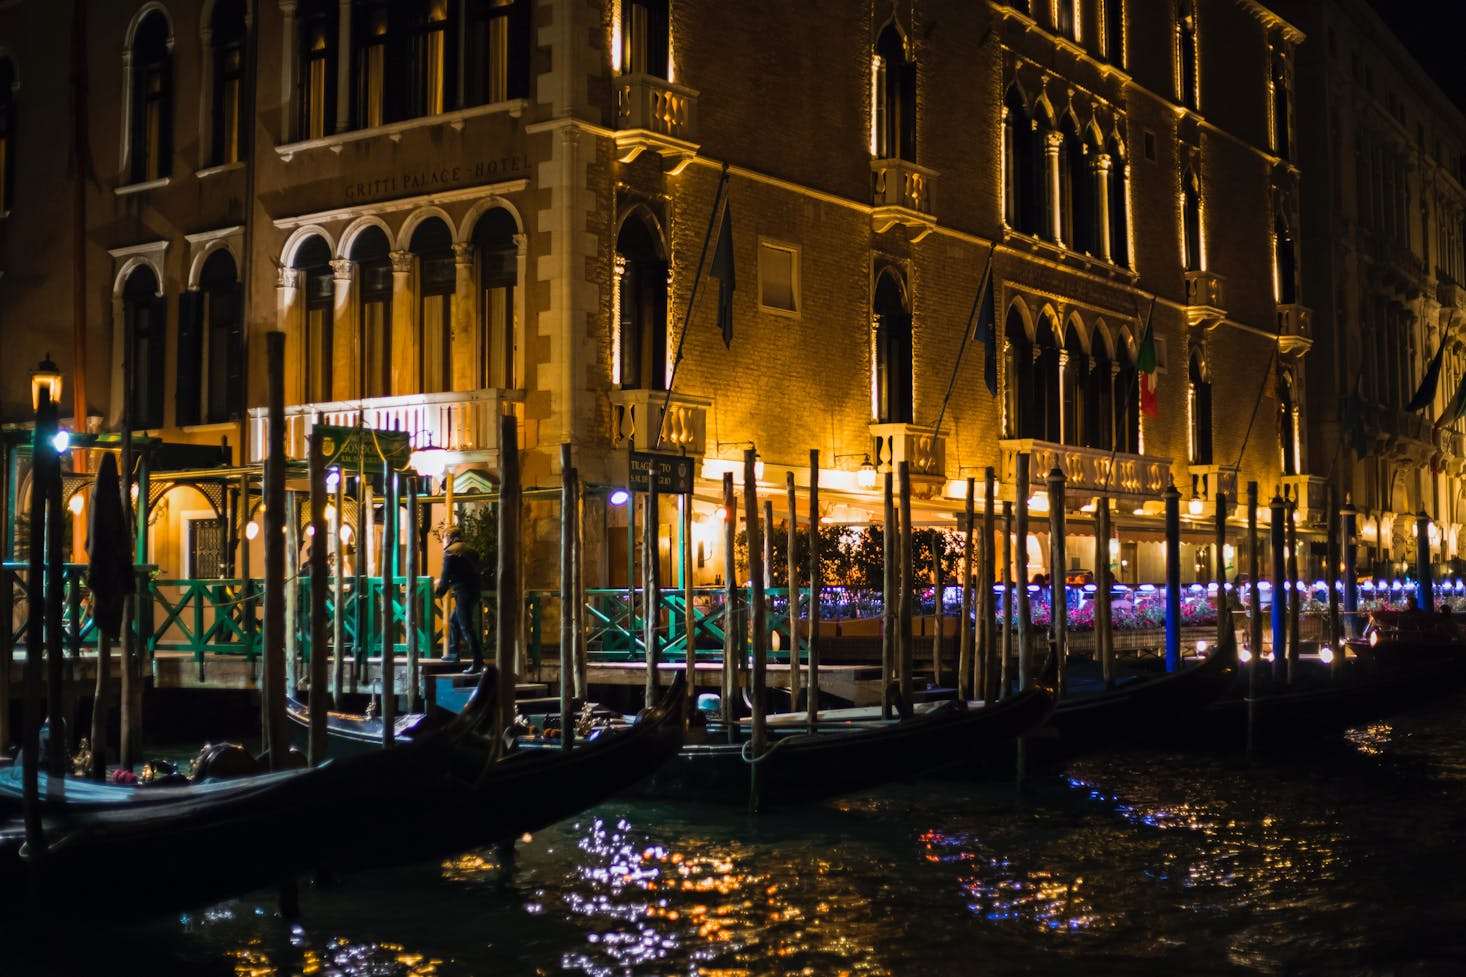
(46, 376)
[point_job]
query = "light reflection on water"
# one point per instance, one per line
(1332, 862)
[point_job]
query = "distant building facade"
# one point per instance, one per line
(458, 208)
(1384, 211)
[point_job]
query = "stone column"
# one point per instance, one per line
(287, 320)
(404, 349)
(345, 336)
(1064, 433)
(467, 350)
(1052, 142)
(1100, 166)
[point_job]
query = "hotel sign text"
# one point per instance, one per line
(427, 179)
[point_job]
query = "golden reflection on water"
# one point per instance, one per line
(1372, 739)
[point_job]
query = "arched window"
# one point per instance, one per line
(642, 301)
(1186, 53)
(1191, 222)
(644, 37)
(1287, 424)
(317, 346)
(498, 277)
(1023, 159)
(1126, 403)
(1076, 193)
(1287, 269)
(893, 352)
(496, 61)
(895, 108)
(1076, 372)
(372, 253)
(7, 135)
(151, 130)
(145, 327)
(1047, 380)
(1199, 395)
(315, 75)
(209, 385)
(227, 135)
(1099, 399)
(1022, 385)
(1119, 210)
(432, 244)
(371, 29)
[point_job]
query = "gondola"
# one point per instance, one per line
(1142, 707)
(438, 795)
(1323, 700)
(843, 758)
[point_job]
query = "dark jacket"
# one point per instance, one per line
(460, 573)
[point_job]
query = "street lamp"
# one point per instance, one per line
(46, 376)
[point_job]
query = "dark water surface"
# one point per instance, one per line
(1345, 859)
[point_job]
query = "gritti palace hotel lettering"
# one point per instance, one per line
(433, 178)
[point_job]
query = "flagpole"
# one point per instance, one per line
(691, 298)
(966, 335)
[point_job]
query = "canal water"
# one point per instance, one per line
(1343, 859)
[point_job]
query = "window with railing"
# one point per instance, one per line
(1126, 402)
(1199, 409)
(1191, 256)
(645, 38)
(894, 124)
(1186, 55)
(1284, 261)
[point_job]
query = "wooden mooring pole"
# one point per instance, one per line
(732, 633)
(904, 638)
(277, 735)
(316, 748)
(889, 600)
(816, 588)
(791, 535)
(507, 586)
(760, 642)
(567, 594)
(968, 677)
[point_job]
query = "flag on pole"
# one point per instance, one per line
(722, 270)
(1456, 408)
(1145, 362)
(1426, 394)
(987, 332)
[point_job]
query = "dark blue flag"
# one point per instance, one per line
(988, 333)
(1425, 396)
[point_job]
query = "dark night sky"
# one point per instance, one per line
(1431, 30)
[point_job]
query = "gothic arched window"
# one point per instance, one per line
(151, 130)
(895, 108)
(1126, 403)
(317, 347)
(1191, 222)
(145, 327)
(1023, 420)
(642, 301)
(1199, 394)
(432, 245)
(1048, 381)
(1076, 372)
(227, 129)
(1023, 171)
(372, 254)
(315, 74)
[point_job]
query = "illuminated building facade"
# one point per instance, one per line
(456, 208)
(1384, 214)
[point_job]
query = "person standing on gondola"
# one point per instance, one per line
(460, 574)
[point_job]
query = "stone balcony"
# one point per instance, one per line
(1089, 471)
(920, 447)
(1205, 304)
(1447, 292)
(1208, 480)
(654, 115)
(1295, 328)
(463, 422)
(1310, 491)
(903, 193)
(638, 416)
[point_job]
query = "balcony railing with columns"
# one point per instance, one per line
(636, 415)
(1295, 328)
(1089, 470)
(1208, 480)
(925, 452)
(1205, 303)
(654, 114)
(456, 420)
(1309, 491)
(903, 193)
